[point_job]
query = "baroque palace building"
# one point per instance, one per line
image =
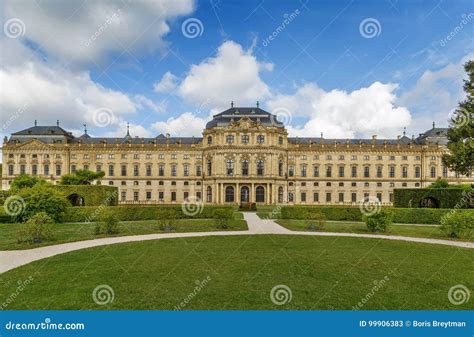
(244, 155)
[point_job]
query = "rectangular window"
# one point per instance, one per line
(245, 139)
(185, 196)
(58, 170)
(173, 170)
(392, 172)
(390, 196)
(328, 197)
(379, 196)
(34, 170)
(161, 170)
(329, 171)
(303, 171)
(379, 171)
(148, 195)
(315, 171)
(405, 172)
(135, 196)
(260, 139)
(111, 170)
(173, 196)
(366, 172)
(303, 196)
(98, 168)
(353, 197)
(161, 195)
(316, 197)
(148, 170)
(123, 170)
(11, 170)
(341, 197)
(341, 171)
(135, 170)
(123, 195)
(198, 170)
(186, 170)
(354, 171)
(46, 170)
(73, 168)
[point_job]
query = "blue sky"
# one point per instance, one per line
(321, 72)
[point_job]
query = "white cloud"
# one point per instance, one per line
(186, 124)
(136, 130)
(360, 113)
(143, 102)
(81, 31)
(233, 74)
(167, 83)
(435, 95)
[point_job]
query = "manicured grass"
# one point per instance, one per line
(240, 272)
(431, 232)
(67, 232)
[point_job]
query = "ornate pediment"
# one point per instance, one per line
(245, 124)
(34, 144)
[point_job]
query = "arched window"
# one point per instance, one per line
(230, 167)
(280, 194)
(280, 168)
(433, 172)
(229, 194)
(260, 194)
(209, 140)
(209, 194)
(260, 167)
(244, 194)
(290, 197)
(245, 167)
(209, 167)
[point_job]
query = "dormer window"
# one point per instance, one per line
(229, 139)
(209, 140)
(245, 139)
(260, 139)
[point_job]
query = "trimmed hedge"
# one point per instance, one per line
(446, 197)
(133, 213)
(93, 195)
(400, 215)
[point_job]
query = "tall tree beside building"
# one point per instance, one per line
(461, 131)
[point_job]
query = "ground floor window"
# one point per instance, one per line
(280, 194)
(260, 194)
(229, 194)
(173, 196)
(135, 196)
(209, 194)
(303, 196)
(244, 194)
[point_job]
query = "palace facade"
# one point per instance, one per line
(244, 154)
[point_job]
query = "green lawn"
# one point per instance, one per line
(360, 227)
(240, 272)
(67, 232)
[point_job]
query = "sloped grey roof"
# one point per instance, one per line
(42, 131)
(356, 141)
(236, 113)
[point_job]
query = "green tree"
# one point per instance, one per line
(81, 177)
(461, 131)
(40, 198)
(24, 181)
(439, 183)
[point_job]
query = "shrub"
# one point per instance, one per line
(458, 224)
(81, 177)
(439, 183)
(248, 206)
(315, 219)
(136, 212)
(379, 221)
(25, 181)
(108, 225)
(223, 218)
(40, 198)
(168, 218)
(36, 229)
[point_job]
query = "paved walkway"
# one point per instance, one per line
(16, 258)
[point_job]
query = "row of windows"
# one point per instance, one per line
(244, 139)
(353, 184)
(148, 183)
(34, 169)
(366, 171)
(109, 156)
(355, 157)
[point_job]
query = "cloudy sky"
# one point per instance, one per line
(344, 68)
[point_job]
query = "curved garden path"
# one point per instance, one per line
(16, 258)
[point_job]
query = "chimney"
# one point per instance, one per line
(57, 122)
(232, 104)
